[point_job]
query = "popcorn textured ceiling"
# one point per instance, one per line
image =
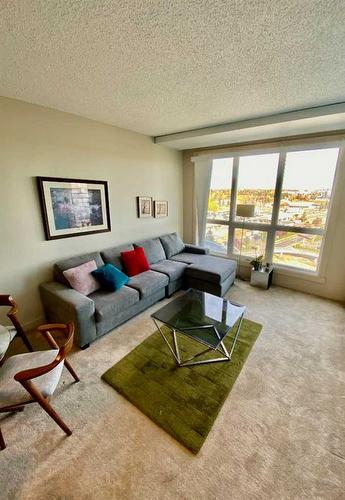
(159, 66)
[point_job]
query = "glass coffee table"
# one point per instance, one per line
(203, 317)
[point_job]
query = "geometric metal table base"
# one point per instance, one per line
(174, 349)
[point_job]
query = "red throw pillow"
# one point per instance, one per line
(143, 263)
(135, 261)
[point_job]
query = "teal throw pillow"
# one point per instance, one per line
(110, 278)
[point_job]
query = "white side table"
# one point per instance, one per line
(262, 278)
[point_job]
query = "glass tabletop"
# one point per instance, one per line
(201, 316)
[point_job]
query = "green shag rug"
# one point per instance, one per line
(184, 401)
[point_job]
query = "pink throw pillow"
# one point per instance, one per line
(81, 279)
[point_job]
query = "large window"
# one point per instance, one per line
(220, 189)
(219, 205)
(256, 184)
(291, 192)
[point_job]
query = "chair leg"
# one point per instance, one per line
(72, 372)
(2, 441)
(11, 409)
(52, 413)
(44, 403)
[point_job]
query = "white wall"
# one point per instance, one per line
(331, 280)
(36, 141)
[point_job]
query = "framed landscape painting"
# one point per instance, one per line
(73, 207)
(161, 208)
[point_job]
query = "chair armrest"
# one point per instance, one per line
(63, 304)
(196, 249)
(38, 371)
(47, 329)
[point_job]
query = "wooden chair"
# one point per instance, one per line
(7, 300)
(33, 377)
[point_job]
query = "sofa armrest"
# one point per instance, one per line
(196, 249)
(62, 304)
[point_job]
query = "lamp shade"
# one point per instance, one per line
(245, 210)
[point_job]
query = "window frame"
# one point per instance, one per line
(274, 226)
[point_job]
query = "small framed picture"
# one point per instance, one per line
(161, 208)
(144, 206)
(73, 207)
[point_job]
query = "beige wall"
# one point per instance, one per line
(40, 141)
(331, 281)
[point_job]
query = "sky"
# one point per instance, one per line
(304, 170)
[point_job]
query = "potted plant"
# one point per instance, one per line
(257, 262)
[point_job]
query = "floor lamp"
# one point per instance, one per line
(244, 211)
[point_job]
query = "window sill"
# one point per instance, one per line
(280, 270)
(299, 274)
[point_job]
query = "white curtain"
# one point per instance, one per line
(202, 180)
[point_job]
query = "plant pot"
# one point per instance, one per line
(257, 267)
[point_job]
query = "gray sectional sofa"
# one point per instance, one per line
(173, 265)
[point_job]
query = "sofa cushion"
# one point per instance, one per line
(148, 282)
(65, 264)
(113, 255)
(213, 269)
(188, 258)
(172, 244)
(113, 303)
(171, 268)
(153, 249)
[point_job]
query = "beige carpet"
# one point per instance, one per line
(279, 435)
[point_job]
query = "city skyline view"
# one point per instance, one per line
(304, 201)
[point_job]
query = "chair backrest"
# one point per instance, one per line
(8, 301)
(67, 346)
(68, 330)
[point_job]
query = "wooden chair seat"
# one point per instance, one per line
(12, 392)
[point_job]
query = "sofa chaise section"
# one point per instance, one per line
(204, 272)
(213, 275)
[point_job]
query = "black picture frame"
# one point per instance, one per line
(45, 186)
